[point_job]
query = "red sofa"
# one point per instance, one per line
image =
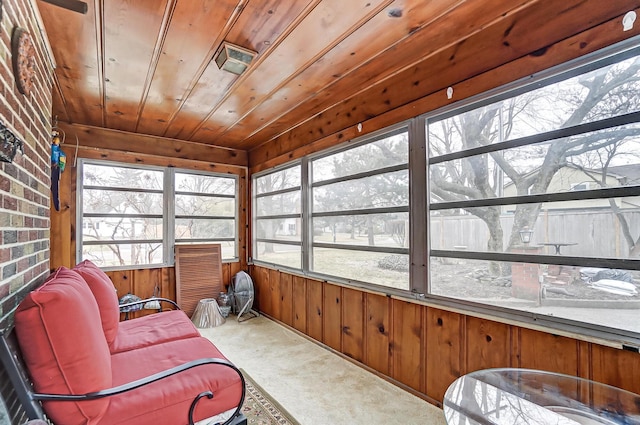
(133, 333)
(73, 344)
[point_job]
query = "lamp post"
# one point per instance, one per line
(525, 235)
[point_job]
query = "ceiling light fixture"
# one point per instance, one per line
(234, 59)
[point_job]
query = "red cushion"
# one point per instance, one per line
(153, 329)
(105, 294)
(59, 332)
(167, 401)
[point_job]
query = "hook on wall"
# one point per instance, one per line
(9, 144)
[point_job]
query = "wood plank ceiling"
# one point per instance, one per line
(145, 66)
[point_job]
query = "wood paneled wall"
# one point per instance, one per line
(140, 282)
(425, 348)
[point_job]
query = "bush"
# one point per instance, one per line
(399, 263)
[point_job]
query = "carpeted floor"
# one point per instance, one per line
(316, 387)
(261, 409)
(258, 407)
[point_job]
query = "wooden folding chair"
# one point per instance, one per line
(198, 274)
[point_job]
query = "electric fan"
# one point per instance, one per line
(242, 295)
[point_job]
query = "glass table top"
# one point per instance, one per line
(524, 396)
(4, 415)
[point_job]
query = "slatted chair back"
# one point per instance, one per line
(198, 274)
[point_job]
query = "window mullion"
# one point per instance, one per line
(79, 208)
(418, 215)
(169, 215)
(305, 200)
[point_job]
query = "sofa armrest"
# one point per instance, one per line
(126, 307)
(149, 379)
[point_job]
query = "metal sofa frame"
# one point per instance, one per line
(30, 401)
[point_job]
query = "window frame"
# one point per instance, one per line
(573, 327)
(236, 216)
(168, 216)
(255, 218)
(419, 208)
(307, 214)
(403, 127)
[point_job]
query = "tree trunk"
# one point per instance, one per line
(494, 244)
(370, 231)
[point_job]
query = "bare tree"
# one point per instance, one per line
(608, 92)
(275, 204)
(119, 203)
(373, 191)
(597, 167)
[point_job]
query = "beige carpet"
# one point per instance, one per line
(314, 385)
(261, 409)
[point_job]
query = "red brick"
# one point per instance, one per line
(10, 203)
(23, 264)
(4, 290)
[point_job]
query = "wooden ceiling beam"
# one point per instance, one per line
(142, 159)
(124, 141)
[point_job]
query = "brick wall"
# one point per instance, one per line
(525, 277)
(24, 184)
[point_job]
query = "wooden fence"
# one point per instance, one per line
(594, 233)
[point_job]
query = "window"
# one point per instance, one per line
(581, 186)
(205, 210)
(277, 207)
(133, 215)
(526, 203)
(558, 161)
(358, 213)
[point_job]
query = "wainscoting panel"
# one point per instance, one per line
(274, 290)
(299, 289)
(286, 299)
(377, 332)
(353, 323)
(406, 344)
(545, 351)
(426, 348)
(490, 342)
(332, 318)
(314, 310)
(444, 351)
(260, 277)
(615, 367)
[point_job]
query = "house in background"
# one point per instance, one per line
(573, 178)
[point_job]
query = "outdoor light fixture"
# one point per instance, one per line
(234, 59)
(525, 235)
(9, 144)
